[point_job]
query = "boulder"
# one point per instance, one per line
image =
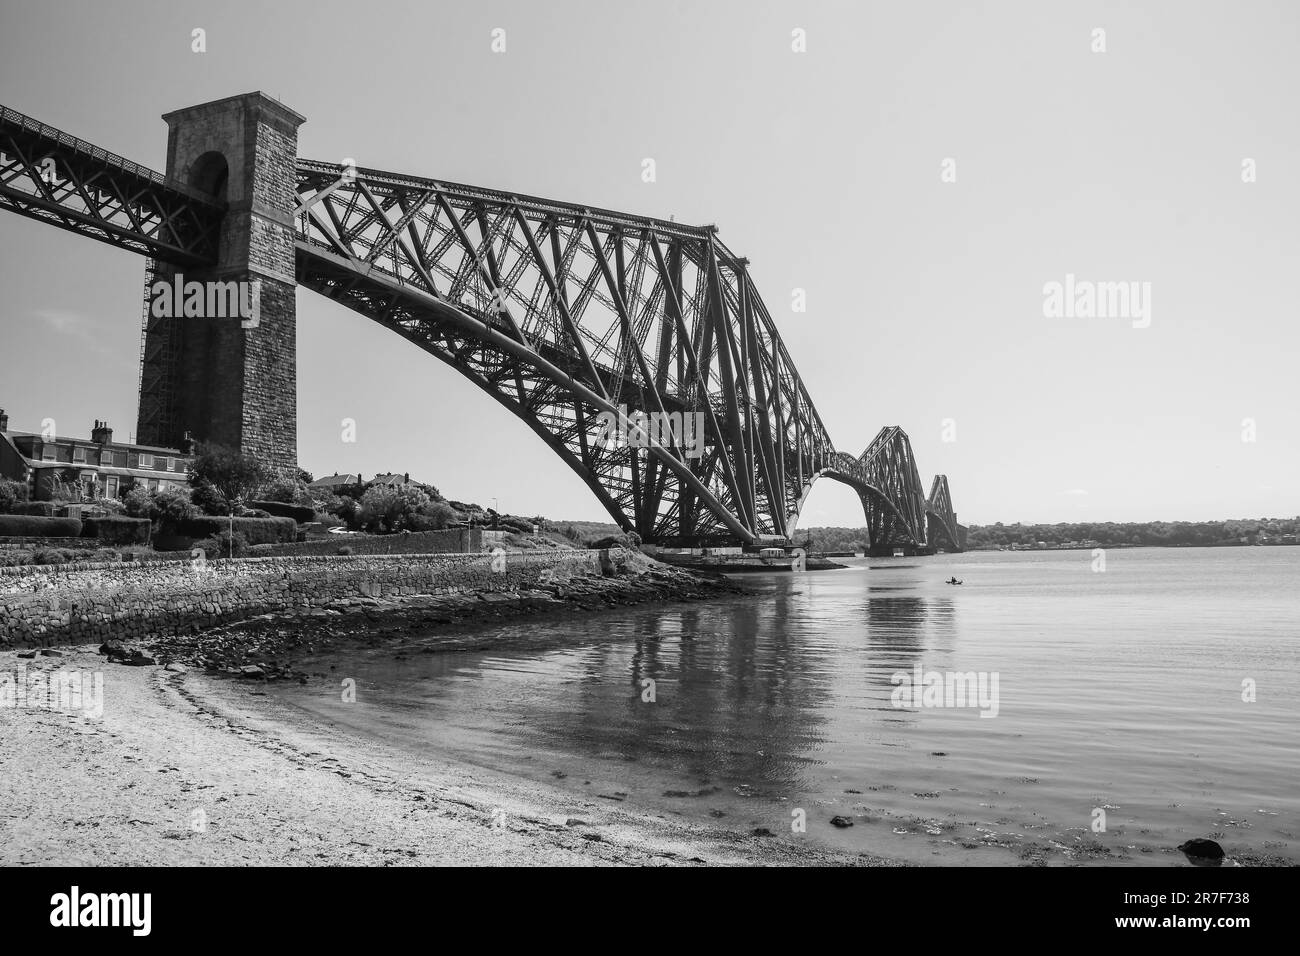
(1202, 849)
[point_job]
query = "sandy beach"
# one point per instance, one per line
(188, 769)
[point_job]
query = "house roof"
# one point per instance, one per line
(394, 480)
(114, 445)
(333, 481)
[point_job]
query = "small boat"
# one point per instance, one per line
(952, 581)
(899, 553)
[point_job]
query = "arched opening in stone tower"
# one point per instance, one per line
(210, 173)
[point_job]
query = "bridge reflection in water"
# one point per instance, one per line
(744, 691)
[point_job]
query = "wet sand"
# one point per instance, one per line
(193, 769)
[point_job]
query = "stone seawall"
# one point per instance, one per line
(69, 604)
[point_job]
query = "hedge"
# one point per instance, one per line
(117, 529)
(254, 530)
(33, 526)
(298, 513)
(44, 509)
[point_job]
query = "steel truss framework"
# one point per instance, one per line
(563, 312)
(570, 316)
(48, 175)
(942, 526)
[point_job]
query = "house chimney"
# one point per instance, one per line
(4, 420)
(407, 478)
(101, 434)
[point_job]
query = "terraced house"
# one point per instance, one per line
(94, 467)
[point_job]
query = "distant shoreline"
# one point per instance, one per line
(1092, 546)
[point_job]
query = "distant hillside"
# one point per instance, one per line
(584, 530)
(1099, 534)
(1160, 534)
(830, 539)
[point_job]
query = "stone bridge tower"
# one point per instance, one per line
(230, 379)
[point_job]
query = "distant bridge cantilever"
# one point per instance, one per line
(557, 310)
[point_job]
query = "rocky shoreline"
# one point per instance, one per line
(265, 647)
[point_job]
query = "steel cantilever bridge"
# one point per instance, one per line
(558, 311)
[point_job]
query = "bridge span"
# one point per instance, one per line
(564, 313)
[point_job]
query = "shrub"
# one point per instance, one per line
(345, 550)
(11, 493)
(31, 526)
(45, 509)
(208, 500)
(223, 545)
(118, 529)
(253, 530)
(288, 492)
(66, 488)
(111, 505)
(433, 517)
(13, 557)
(137, 502)
(299, 513)
(404, 508)
(345, 509)
(171, 505)
(231, 545)
(51, 556)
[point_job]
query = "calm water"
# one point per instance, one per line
(1119, 690)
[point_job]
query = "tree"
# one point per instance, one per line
(434, 516)
(289, 492)
(138, 502)
(385, 510)
(233, 475)
(11, 492)
(171, 506)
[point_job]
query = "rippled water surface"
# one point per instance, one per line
(1119, 691)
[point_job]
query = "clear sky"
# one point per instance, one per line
(925, 298)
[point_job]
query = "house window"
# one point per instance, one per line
(153, 484)
(78, 453)
(110, 486)
(47, 453)
(171, 464)
(146, 461)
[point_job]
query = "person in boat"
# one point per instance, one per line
(953, 580)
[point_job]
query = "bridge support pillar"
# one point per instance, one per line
(223, 378)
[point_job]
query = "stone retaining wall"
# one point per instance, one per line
(76, 603)
(451, 541)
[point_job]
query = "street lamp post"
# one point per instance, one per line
(230, 541)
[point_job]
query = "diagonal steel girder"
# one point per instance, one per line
(48, 175)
